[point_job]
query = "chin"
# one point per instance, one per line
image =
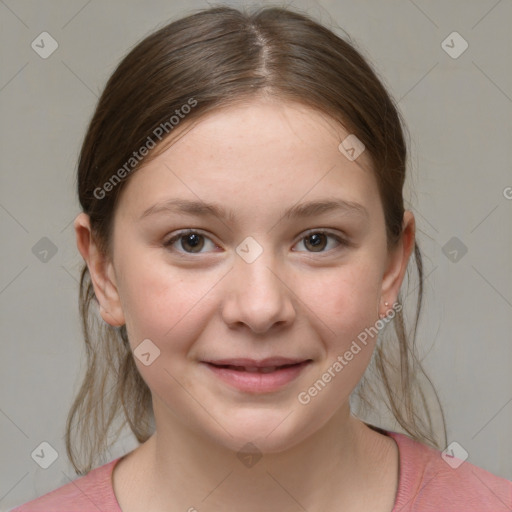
(268, 431)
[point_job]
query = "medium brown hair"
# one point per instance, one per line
(219, 57)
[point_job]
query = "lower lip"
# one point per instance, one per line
(255, 382)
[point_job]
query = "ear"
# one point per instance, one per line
(102, 273)
(398, 259)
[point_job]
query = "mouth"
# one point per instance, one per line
(254, 369)
(252, 376)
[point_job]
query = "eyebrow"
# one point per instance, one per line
(303, 210)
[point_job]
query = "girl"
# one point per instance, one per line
(245, 242)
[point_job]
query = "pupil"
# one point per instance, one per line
(193, 241)
(191, 237)
(317, 240)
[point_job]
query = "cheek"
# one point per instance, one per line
(170, 307)
(163, 303)
(166, 303)
(347, 309)
(345, 300)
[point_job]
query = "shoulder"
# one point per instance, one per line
(429, 482)
(92, 491)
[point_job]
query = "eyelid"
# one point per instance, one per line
(325, 231)
(183, 232)
(342, 240)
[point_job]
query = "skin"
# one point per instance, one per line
(292, 301)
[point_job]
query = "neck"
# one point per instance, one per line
(329, 470)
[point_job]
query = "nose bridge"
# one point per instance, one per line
(258, 295)
(259, 276)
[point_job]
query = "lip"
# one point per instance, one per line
(256, 382)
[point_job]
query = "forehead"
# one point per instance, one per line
(265, 123)
(252, 157)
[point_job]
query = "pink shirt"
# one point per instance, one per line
(426, 483)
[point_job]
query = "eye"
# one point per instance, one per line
(318, 240)
(189, 239)
(192, 242)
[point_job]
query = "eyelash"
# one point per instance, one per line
(342, 242)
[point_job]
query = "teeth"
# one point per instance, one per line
(253, 369)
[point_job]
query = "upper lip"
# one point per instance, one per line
(261, 363)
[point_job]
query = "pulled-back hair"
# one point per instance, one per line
(211, 59)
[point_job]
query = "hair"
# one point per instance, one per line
(220, 57)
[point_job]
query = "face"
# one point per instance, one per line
(230, 296)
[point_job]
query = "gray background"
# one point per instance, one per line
(458, 111)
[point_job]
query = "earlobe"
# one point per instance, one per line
(398, 259)
(101, 272)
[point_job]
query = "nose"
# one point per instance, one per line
(258, 295)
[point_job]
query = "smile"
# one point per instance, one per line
(257, 379)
